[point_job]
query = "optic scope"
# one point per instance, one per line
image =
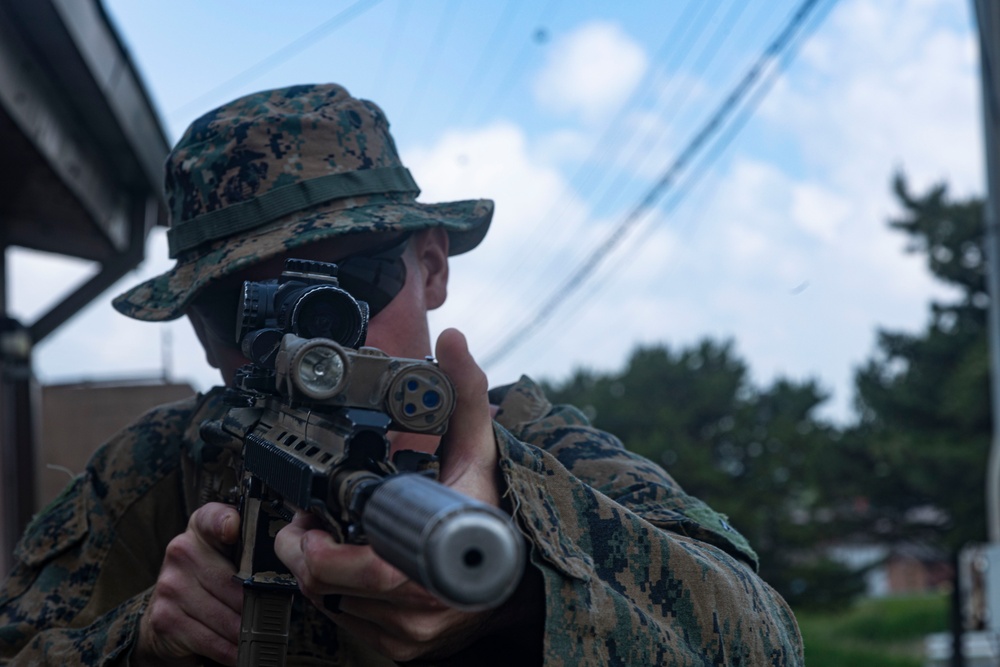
(307, 301)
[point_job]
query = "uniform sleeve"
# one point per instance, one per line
(84, 567)
(636, 572)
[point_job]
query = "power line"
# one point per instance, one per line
(679, 43)
(586, 179)
(281, 55)
(503, 90)
(486, 57)
(691, 150)
(693, 177)
(701, 47)
(645, 147)
(393, 40)
(433, 54)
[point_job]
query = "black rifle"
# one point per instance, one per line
(310, 417)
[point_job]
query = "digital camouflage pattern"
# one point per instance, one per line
(281, 169)
(636, 572)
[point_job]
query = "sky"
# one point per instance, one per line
(615, 226)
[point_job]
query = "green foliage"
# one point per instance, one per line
(911, 468)
(925, 421)
(820, 583)
(897, 619)
(885, 632)
(759, 456)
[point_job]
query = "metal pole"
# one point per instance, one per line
(957, 622)
(8, 482)
(17, 432)
(989, 47)
(17, 429)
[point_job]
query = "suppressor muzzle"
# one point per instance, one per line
(464, 551)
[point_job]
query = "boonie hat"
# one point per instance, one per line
(280, 169)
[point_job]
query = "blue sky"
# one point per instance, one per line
(566, 114)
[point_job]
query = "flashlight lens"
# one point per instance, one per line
(320, 372)
(420, 398)
(431, 399)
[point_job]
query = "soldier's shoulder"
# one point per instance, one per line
(141, 455)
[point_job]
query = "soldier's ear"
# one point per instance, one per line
(431, 246)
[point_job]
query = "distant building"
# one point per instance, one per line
(77, 418)
(918, 568)
(898, 569)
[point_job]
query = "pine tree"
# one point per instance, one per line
(925, 426)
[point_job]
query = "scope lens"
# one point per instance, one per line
(319, 372)
(328, 312)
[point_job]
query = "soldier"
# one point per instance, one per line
(133, 561)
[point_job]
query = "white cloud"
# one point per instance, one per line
(531, 237)
(788, 254)
(590, 71)
(785, 247)
(885, 87)
(880, 87)
(563, 146)
(818, 210)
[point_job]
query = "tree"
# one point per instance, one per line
(759, 456)
(923, 400)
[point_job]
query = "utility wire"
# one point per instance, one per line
(647, 145)
(691, 150)
(677, 44)
(426, 73)
(486, 56)
(394, 37)
(276, 58)
(607, 148)
(503, 91)
(694, 176)
(670, 102)
(685, 186)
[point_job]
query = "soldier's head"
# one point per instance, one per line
(306, 171)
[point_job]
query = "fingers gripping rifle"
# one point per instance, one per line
(310, 416)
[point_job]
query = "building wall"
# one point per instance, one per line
(914, 575)
(77, 418)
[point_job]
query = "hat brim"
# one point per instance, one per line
(167, 296)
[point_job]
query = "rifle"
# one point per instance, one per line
(310, 416)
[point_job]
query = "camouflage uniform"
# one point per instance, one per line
(635, 571)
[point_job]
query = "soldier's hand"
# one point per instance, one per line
(195, 607)
(368, 597)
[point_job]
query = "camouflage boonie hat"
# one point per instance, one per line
(277, 170)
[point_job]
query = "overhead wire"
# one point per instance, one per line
(394, 37)
(670, 55)
(689, 179)
(704, 47)
(670, 108)
(277, 57)
(422, 80)
(640, 145)
(487, 56)
(647, 145)
(694, 177)
(578, 276)
(506, 85)
(610, 140)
